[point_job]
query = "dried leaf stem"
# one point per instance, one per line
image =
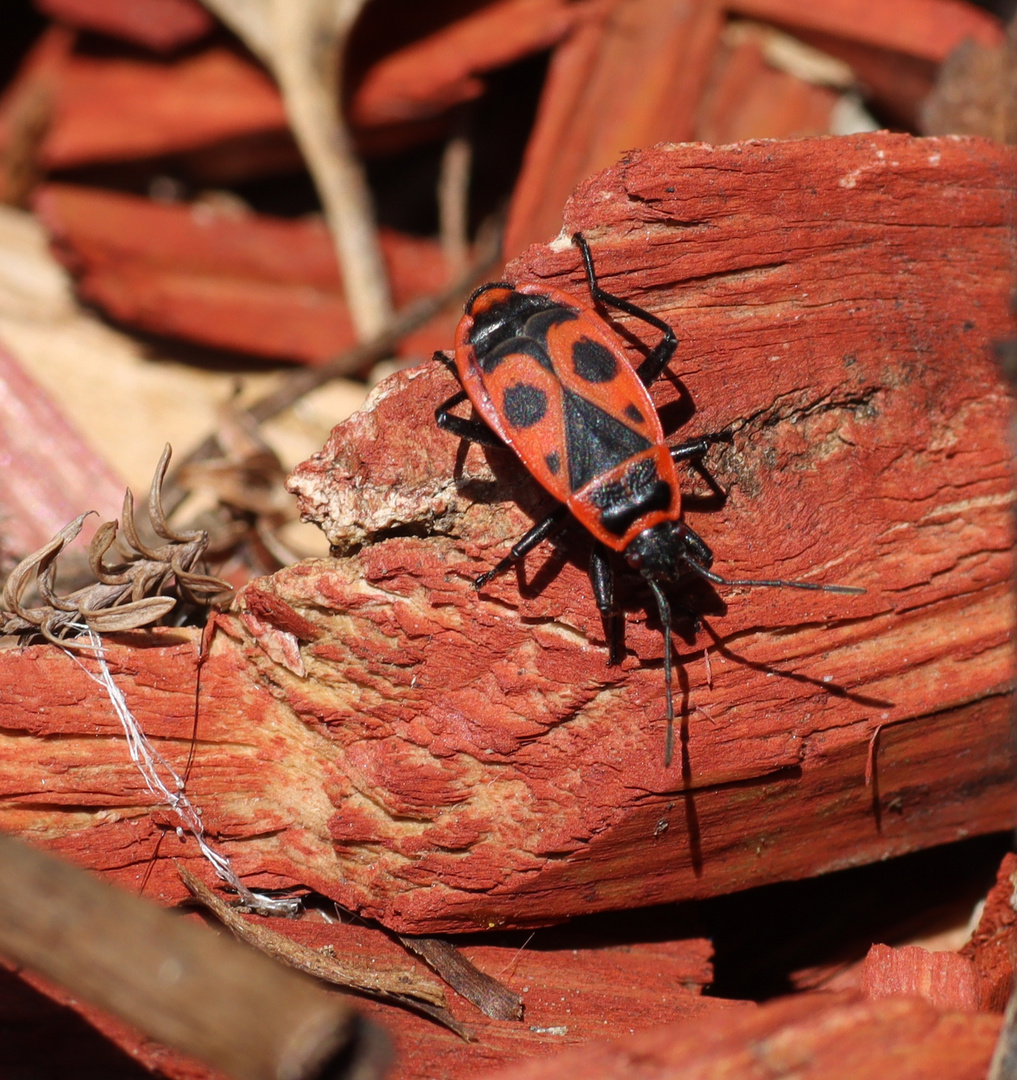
(303, 43)
(398, 986)
(492, 998)
(454, 194)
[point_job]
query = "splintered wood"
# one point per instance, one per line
(196, 111)
(979, 976)
(810, 1037)
(635, 72)
(233, 279)
(440, 760)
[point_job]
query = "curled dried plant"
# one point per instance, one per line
(248, 482)
(140, 588)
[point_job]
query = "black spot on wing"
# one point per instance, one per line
(592, 362)
(640, 491)
(553, 462)
(524, 405)
(596, 441)
(634, 414)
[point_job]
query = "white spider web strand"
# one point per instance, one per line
(154, 767)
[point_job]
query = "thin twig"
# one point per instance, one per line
(399, 986)
(454, 195)
(414, 315)
(302, 382)
(176, 982)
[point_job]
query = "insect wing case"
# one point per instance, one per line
(552, 380)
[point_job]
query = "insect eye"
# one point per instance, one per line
(634, 559)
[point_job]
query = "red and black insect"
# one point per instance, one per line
(550, 378)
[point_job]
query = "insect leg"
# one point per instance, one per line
(602, 578)
(694, 452)
(474, 430)
(697, 448)
(655, 363)
(665, 624)
(544, 528)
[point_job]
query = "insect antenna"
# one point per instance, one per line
(665, 621)
(773, 583)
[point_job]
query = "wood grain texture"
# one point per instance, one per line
(930, 29)
(49, 470)
(811, 1036)
(945, 979)
(977, 977)
(992, 949)
(631, 74)
(246, 281)
(835, 300)
(212, 103)
(159, 25)
(635, 72)
(369, 726)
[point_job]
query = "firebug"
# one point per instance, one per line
(549, 378)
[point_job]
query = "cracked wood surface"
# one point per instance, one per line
(443, 761)
(805, 1037)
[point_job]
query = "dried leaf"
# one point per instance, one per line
(101, 543)
(125, 596)
(155, 510)
(492, 998)
(129, 616)
(20, 577)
